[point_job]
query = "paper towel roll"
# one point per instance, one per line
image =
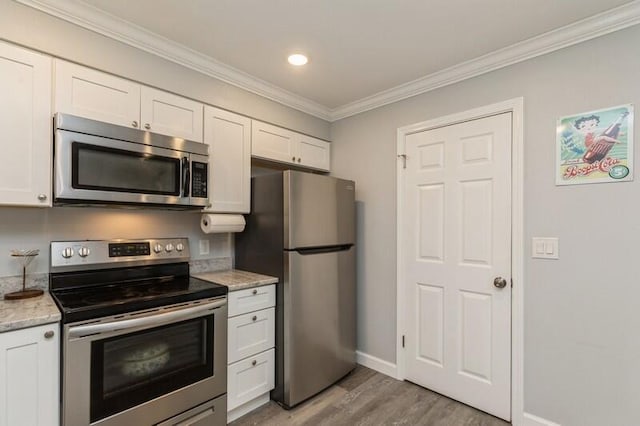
(220, 223)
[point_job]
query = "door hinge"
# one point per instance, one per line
(511, 279)
(403, 340)
(404, 160)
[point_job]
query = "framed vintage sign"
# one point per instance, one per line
(595, 146)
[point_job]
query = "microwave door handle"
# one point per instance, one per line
(186, 177)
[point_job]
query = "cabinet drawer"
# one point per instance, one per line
(250, 334)
(250, 378)
(251, 299)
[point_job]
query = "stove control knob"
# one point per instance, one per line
(169, 248)
(179, 247)
(158, 248)
(67, 252)
(84, 251)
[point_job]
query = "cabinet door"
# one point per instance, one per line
(272, 143)
(229, 138)
(169, 114)
(29, 379)
(96, 95)
(250, 378)
(25, 120)
(314, 153)
(250, 334)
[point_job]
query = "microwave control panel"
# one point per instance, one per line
(199, 179)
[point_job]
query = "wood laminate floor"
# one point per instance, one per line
(366, 397)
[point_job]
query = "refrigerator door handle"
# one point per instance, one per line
(320, 250)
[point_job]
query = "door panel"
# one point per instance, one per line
(320, 321)
(456, 237)
(96, 95)
(25, 119)
(229, 138)
(168, 114)
(320, 210)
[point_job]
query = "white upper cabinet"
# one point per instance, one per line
(272, 143)
(276, 144)
(25, 119)
(229, 138)
(314, 153)
(169, 114)
(100, 96)
(96, 95)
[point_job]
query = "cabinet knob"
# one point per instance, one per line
(293, 158)
(254, 362)
(48, 334)
(42, 197)
(134, 124)
(255, 291)
(254, 318)
(299, 159)
(147, 126)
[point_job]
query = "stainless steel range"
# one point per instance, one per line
(143, 342)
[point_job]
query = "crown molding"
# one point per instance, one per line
(93, 19)
(583, 30)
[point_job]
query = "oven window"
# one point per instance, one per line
(134, 368)
(117, 170)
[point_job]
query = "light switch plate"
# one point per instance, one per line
(545, 248)
(204, 247)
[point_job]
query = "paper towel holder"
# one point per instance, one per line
(221, 223)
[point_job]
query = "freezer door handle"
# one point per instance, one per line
(320, 250)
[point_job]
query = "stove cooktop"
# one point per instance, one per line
(88, 302)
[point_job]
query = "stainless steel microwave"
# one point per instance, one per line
(97, 163)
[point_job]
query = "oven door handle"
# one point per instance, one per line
(146, 321)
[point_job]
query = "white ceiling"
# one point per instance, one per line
(357, 48)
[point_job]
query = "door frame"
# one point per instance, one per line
(516, 107)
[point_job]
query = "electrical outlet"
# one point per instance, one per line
(204, 247)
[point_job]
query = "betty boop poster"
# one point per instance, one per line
(595, 146)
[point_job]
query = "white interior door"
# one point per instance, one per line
(456, 239)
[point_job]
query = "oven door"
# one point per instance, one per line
(90, 169)
(145, 367)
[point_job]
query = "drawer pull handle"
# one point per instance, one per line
(254, 362)
(254, 318)
(254, 291)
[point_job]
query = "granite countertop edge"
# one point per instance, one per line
(25, 313)
(236, 279)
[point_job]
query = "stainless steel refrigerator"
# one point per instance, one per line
(302, 230)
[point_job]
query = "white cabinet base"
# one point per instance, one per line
(29, 376)
(248, 407)
(250, 378)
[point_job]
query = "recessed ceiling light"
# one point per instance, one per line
(297, 59)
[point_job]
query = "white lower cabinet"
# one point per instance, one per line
(251, 353)
(29, 376)
(250, 378)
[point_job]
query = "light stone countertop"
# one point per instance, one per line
(17, 314)
(236, 279)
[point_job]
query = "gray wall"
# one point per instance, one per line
(581, 312)
(34, 228)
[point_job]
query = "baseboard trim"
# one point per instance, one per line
(375, 363)
(531, 420)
